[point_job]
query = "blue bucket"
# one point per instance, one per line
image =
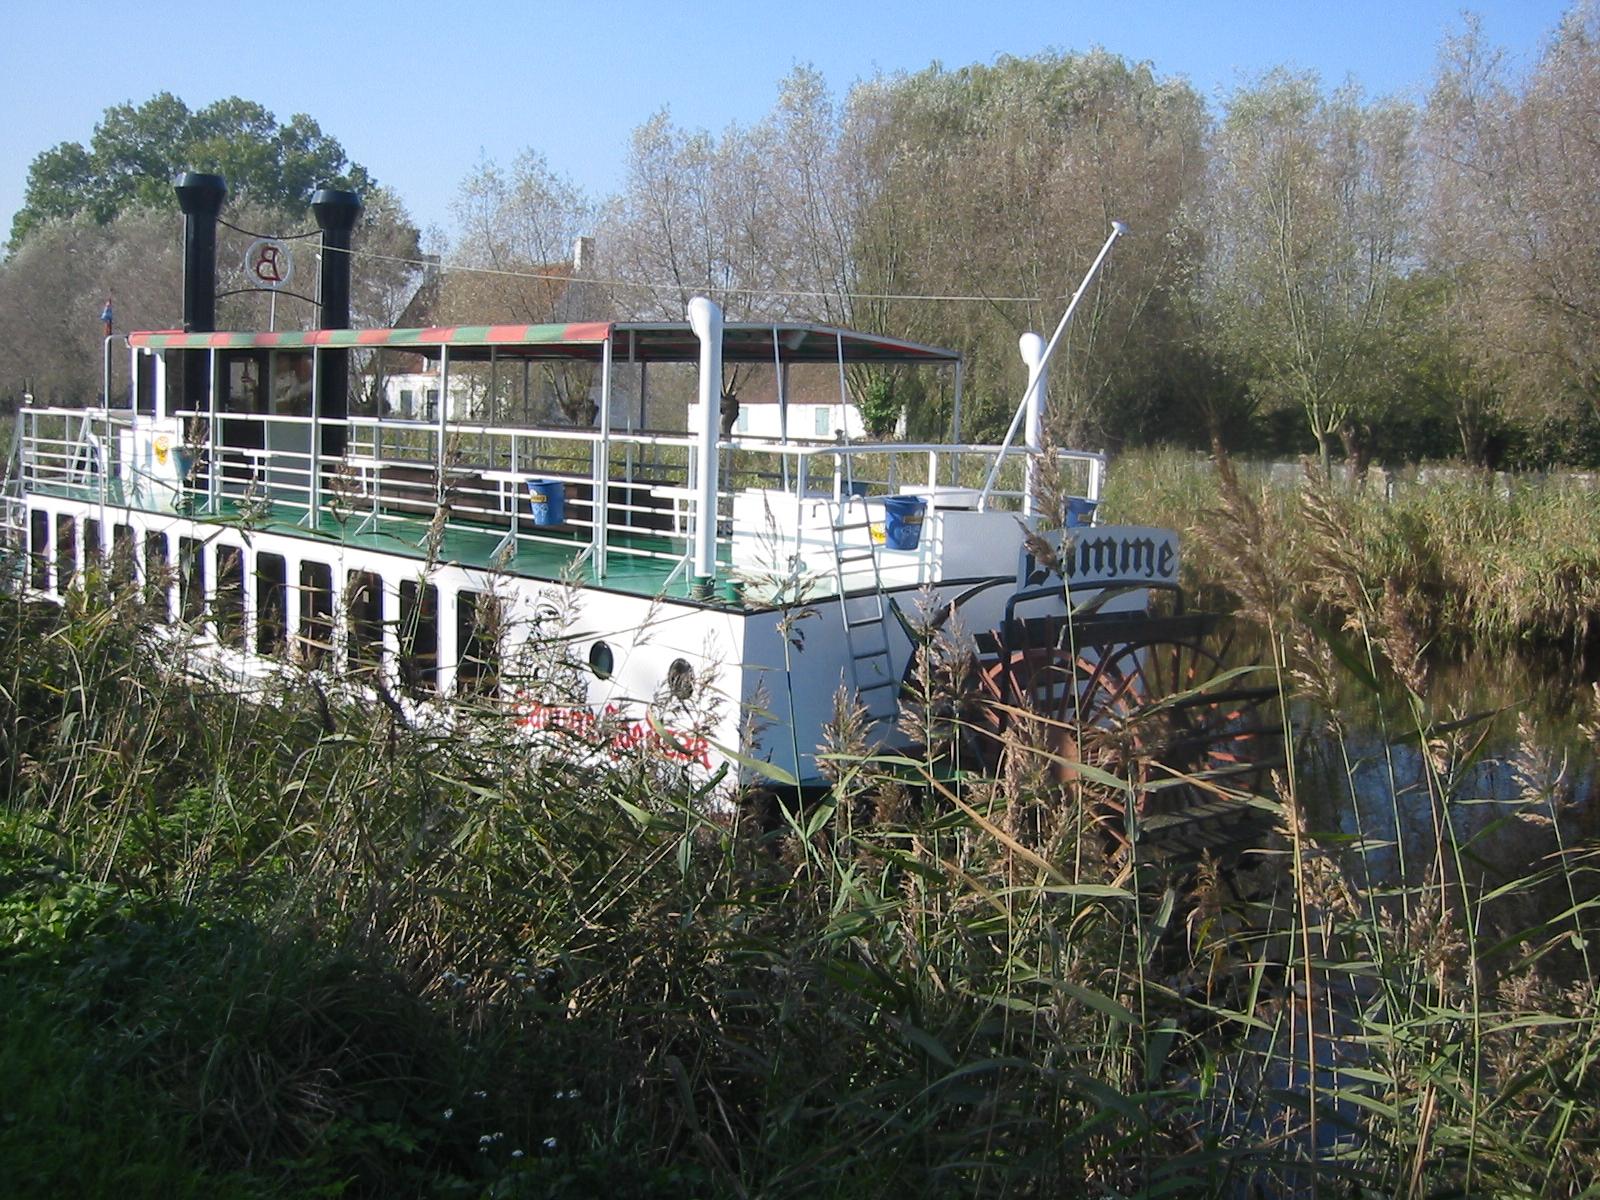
(1080, 512)
(548, 500)
(902, 521)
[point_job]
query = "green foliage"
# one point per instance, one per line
(136, 152)
(290, 946)
(1476, 561)
(999, 182)
(1311, 212)
(880, 407)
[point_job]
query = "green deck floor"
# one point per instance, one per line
(552, 555)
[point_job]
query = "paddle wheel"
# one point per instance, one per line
(1146, 697)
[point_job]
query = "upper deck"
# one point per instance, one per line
(659, 494)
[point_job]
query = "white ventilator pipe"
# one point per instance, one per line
(705, 318)
(1031, 346)
(1117, 230)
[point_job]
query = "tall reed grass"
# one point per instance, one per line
(1476, 563)
(313, 944)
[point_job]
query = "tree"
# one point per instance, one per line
(1512, 213)
(52, 290)
(742, 218)
(1001, 182)
(693, 219)
(519, 231)
(136, 152)
(102, 222)
(1311, 214)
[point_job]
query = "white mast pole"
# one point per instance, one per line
(1117, 230)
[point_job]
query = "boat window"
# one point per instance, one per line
(315, 597)
(363, 603)
(272, 575)
(122, 568)
(478, 623)
(824, 421)
(601, 660)
(144, 382)
(177, 364)
(246, 376)
(291, 383)
(191, 579)
(419, 637)
(94, 552)
(157, 577)
(39, 549)
(66, 551)
(680, 679)
(227, 608)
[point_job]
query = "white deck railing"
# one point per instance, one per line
(628, 493)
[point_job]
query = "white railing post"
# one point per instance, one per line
(314, 457)
(600, 465)
(706, 320)
(212, 449)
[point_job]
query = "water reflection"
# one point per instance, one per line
(1488, 780)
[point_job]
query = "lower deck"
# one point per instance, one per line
(645, 564)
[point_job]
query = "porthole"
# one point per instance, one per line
(680, 679)
(601, 661)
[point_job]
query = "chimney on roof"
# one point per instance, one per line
(582, 255)
(200, 196)
(336, 213)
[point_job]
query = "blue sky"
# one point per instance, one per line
(420, 97)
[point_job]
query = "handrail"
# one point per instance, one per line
(661, 500)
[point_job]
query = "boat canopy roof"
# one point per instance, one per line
(632, 341)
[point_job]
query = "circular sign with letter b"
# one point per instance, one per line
(268, 263)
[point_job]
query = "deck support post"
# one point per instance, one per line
(602, 465)
(705, 318)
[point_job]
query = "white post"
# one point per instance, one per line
(314, 457)
(601, 465)
(705, 318)
(215, 457)
(447, 652)
(1032, 347)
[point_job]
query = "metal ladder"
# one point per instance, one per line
(870, 672)
(87, 457)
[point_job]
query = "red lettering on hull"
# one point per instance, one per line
(618, 736)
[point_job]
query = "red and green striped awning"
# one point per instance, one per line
(632, 341)
(587, 334)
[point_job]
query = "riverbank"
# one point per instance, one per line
(287, 942)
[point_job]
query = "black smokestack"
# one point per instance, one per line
(336, 214)
(200, 197)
